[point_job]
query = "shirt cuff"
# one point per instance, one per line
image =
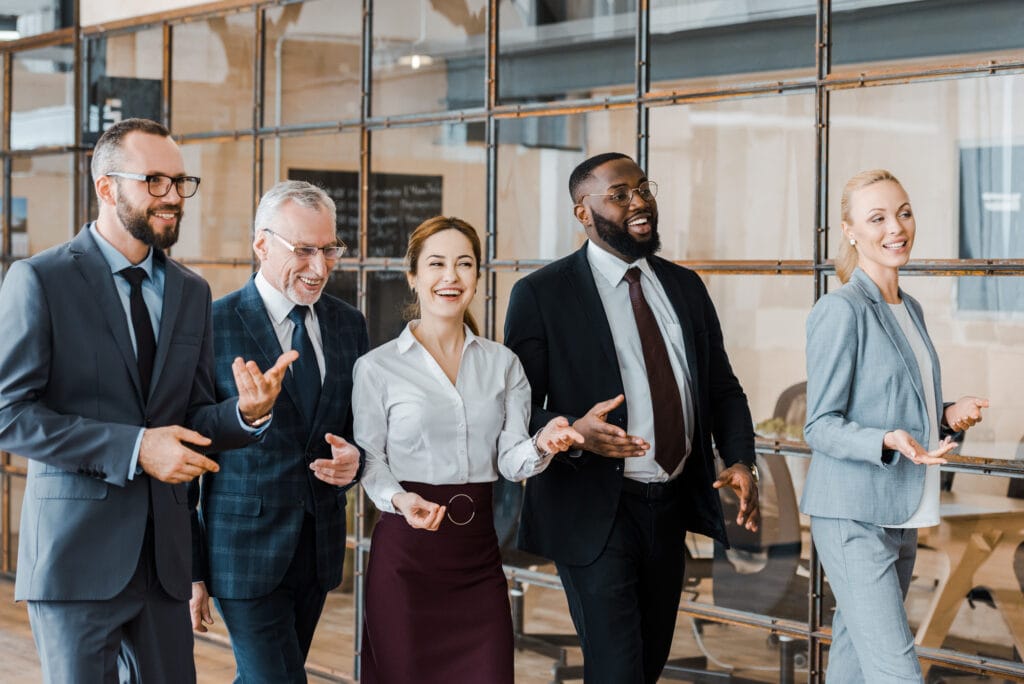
(258, 430)
(133, 467)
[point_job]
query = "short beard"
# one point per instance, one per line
(137, 224)
(618, 238)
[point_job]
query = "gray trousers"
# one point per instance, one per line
(869, 569)
(79, 641)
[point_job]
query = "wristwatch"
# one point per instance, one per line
(754, 472)
(543, 453)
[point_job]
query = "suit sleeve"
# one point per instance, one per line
(731, 423)
(831, 365)
(526, 336)
(218, 421)
(27, 426)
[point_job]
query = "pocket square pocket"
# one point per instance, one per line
(68, 486)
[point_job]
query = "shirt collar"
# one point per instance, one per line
(612, 267)
(117, 261)
(406, 340)
(278, 306)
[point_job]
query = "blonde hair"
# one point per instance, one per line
(846, 258)
(433, 226)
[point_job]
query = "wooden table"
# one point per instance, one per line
(979, 534)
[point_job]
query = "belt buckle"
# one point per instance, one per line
(448, 513)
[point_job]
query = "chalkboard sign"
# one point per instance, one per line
(398, 203)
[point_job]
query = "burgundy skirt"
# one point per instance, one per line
(437, 606)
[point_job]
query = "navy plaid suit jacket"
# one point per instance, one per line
(249, 514)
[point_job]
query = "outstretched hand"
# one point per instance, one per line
(906, 445)
(965, 412)
(257, 391)
(558, 436)
(341, 468)
(741, 480)
(165, 454)
(601, 437)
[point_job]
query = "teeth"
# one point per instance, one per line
(638, 221)
(310, 281)
(896, 245)
(448, 293)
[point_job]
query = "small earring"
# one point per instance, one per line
(852, 241)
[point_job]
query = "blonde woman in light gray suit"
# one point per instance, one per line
(878, 430)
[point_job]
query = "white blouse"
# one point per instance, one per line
(415, 425)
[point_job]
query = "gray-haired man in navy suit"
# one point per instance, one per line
(269, 537)
(106, 385)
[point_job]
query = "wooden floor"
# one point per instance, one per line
(546, 611)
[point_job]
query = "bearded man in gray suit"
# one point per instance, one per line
(106, 385)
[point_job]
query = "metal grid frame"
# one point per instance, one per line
(641, 101)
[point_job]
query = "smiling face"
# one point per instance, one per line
(444, 276)
(881, 221)
(301, 280)
(629, 232)
(152, 220)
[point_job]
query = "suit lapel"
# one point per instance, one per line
(174, 284)
(333, 351)
(580, 279)
(675, 294)
(892, 329)
(96, 271)
(253, 316)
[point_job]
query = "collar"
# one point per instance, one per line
(868, 286)
(406, 340)
(117, 261)
(611, 267)
(278, 306)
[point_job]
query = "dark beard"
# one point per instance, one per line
(618, 238)
(137, 225)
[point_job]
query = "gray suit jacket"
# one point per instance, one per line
(70, 401)
(863, 381)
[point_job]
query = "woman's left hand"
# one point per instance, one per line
(558, 436)
(965, 412)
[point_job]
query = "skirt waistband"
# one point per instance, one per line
(470, 505)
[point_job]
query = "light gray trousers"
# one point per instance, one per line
(869, 569)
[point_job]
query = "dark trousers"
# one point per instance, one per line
(79, 641)
(270, 635)
(624, 604)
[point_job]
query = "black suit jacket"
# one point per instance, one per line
(557, 325)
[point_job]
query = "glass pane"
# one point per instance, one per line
(428, 57)
(735, 178)
(423, 172)
(954, 145)
(344, 285)
(387, 295)
(559, 50)
(217, 222)
(223, 279)
(42, 92)
(124, 74)
(212, 72)
(313, 62)
(535, 158)
(328, 161)
(41, 192)
(714, 42)
(887, 30)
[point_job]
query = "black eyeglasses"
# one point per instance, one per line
(647, 190)
(331, 252)
(159, 185)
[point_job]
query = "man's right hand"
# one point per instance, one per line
(601, 437)
(164, 455)
(199, 607)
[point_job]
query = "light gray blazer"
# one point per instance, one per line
(863, 381)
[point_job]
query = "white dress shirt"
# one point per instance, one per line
(927, 513)
(278, 307)
(609, 272)
(416, 426)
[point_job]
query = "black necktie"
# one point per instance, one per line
(669, 440)
(305, 369)
(145, 340)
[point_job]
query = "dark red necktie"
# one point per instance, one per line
(669, 435)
